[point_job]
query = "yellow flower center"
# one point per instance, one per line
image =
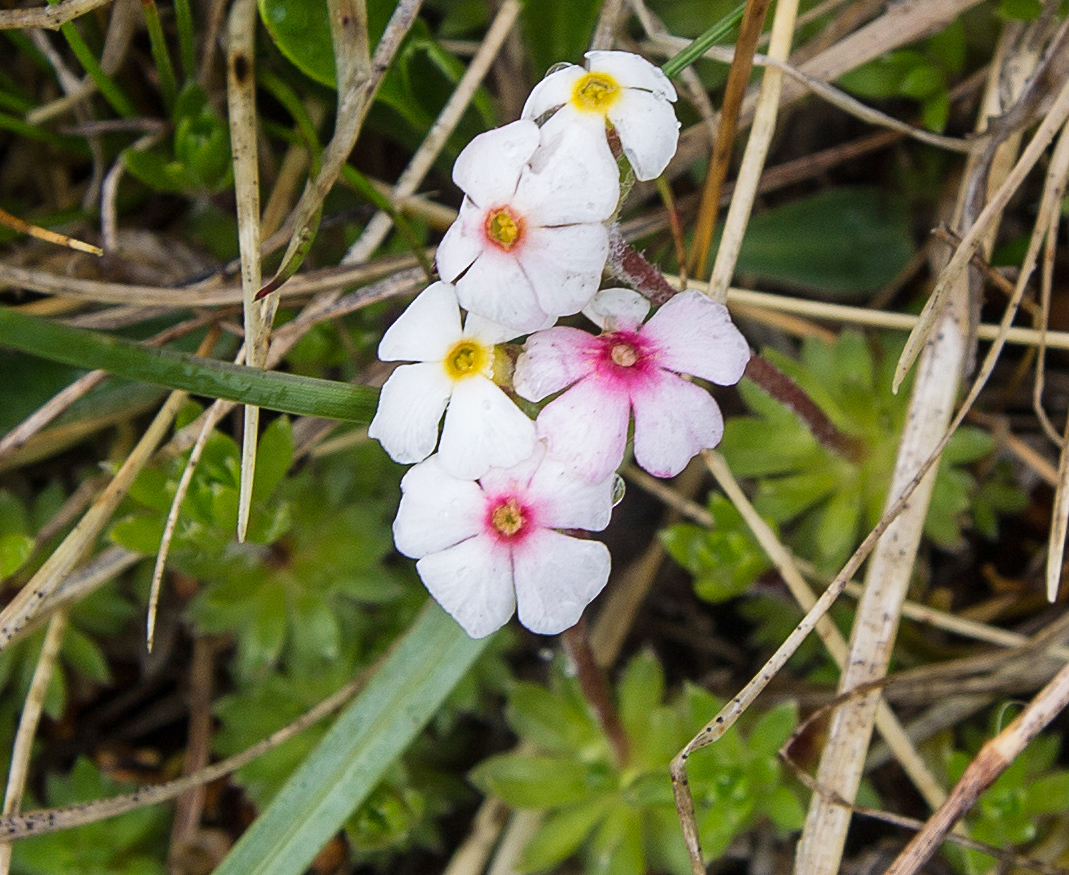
(595, 92)
(508, 518)
(467, 358)
(503, 229)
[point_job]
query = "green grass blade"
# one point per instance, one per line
(351, 759)
(301, 396)
(677, 64)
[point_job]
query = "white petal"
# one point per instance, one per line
(615, 309)
(572, 178)
(473, 582)
(553, 91)
(515, 479)
(648, 129)
(483, 429)
(490, 165)
(462, 243)
(487, 332)
(632, 71)
(564, 265)
(496, 288)
(564, 501)
(426, 330)
(550, 361)
(674, 420)
(586, 428)
(410, 408)
(556, 577)
(437, 510)
(696, 336)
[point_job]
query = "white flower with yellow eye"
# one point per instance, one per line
(453, 372)
(618, 89)
(530, 243)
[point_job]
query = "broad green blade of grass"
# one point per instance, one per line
(302, 396)
(352, 758)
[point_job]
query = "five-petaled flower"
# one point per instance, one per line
(488, 547)
(530, 243)
(631, 366)
(453, 367)
(620, 89)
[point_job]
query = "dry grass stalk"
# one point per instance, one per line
(241, 112)
(379, 226)
(28, 720)
(842, 761)
(994, 758)
(753, 159)
(52, 17)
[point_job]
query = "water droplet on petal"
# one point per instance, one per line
(618, 489)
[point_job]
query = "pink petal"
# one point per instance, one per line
(696, 336)
(462, 243)
(473, 583)
(410, 408)
(674, 420)
(551, 360)
(572, 178)
(483, 429)
(489, 167)
(564, 265)
(632, 71)
(437, 510)
(497, 288)
(586, 428)
(426, 330)
(553, 91)
(564, 501)
(556, 577)
(648, 129)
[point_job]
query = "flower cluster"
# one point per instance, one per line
(483, 516)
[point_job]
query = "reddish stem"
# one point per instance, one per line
(595, 688)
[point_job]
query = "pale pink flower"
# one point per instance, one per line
(620, 89)
(453, 373)
(633, 367)
(530, 242)
(485, 547)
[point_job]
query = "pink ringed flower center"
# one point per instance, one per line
(503, 228)
(623, 354)
(508, 518)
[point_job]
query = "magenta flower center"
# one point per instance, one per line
(624, 356)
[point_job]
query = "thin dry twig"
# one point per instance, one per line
(52, 17)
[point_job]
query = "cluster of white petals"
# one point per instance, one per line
(483, 516)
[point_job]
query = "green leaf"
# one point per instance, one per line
(91, 350)
(842, 241)
(84, 655)
(349, 762)
(14, 550)
(1020, 10)
(274, 455)
(784, 809)
(527, 781)
(558, 30)
(639, 690)
(561, 834)
(301, 30)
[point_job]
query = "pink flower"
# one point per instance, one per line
(633, 367)
(485, 547)
(530, 242)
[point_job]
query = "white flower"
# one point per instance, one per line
(620, 88)
(486, 547)
(530, 242)
(631, 367)
(454, 367)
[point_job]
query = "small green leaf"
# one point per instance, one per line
(85, 656)
(1020, 10)
(526, 781)
(15, 549)
(301, 30)
(561, 834)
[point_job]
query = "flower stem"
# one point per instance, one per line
(781, 387)
(595, 688)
